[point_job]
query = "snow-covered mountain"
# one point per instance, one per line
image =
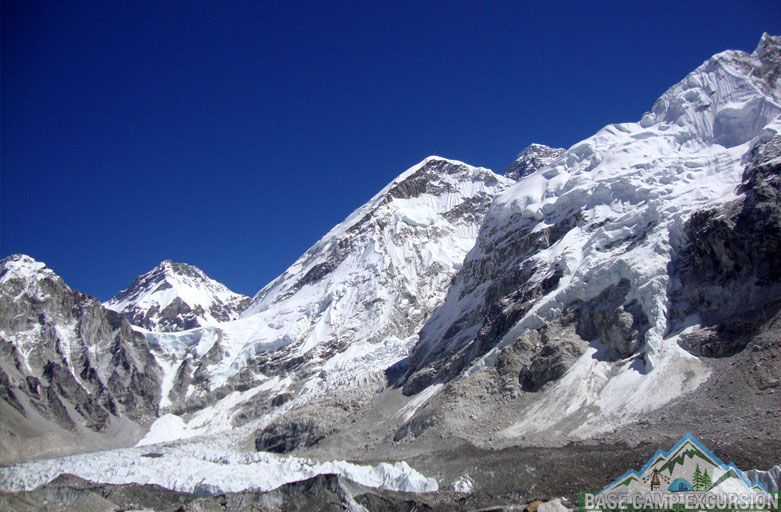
(535, 156)
(176, 297)
(346, 310)
(574, 286)
(71, 371)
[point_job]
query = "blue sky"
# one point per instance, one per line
(233, 135)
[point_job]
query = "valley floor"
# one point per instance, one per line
(740, 425)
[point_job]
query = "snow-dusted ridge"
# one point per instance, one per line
(350, 306)
(175, 297)
(70, 370)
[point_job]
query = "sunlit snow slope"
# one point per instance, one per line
(587, 241)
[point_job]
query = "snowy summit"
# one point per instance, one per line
(177, 296)
(535, 156)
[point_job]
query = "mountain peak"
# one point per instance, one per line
(176, 296)
(436, 158)
(768, 43)
(432, 166)
(534, 157)
(169, 268)
(20, 260)
(22, 266)
(726, 99)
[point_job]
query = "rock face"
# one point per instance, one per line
(534, 157)
(175, 297)
(618, 324)
(593, 238)
(287, 436)
(542, 355)
(67, 363)
(729, 268)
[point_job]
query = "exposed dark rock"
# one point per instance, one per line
(532, 158)
(281, 398)
(380, 503)
(421, 182)
(728, 271)
(620, 327)
(472, 208)
(415, 426)
(83, 363)
(507, 298)
(7, 393)
(548, 363)
(542, 355)
(288, 435)
(182, 381)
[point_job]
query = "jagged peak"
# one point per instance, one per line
(425, 171)
(169, 267)
(726, 99)
(435, 190)
(431, 165)
(175, 273)
(768, 43)
(18, 259)
(536, 146)
(195, 298)
(23, 273)
(22, 265)
(533, 157)
(436, 158)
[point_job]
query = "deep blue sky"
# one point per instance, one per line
(233, 135)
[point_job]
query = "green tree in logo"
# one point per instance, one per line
(698, 483)
(706, 481)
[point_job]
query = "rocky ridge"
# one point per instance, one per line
(70, 368)
(175, 297)
(535, 156)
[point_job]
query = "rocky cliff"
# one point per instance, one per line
(69, 367)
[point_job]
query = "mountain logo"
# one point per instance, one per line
(686, 477)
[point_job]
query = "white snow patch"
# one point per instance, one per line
(411, 407)
(464, 484)
(165, 428)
